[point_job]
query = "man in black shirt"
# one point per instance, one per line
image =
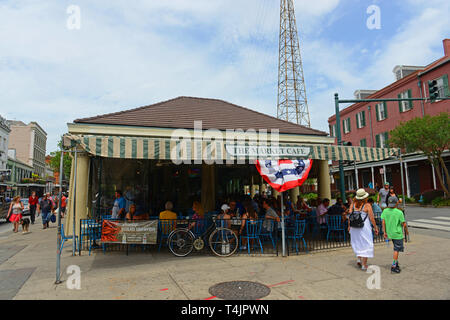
(337, 209)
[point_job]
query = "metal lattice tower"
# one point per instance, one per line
(292, 102)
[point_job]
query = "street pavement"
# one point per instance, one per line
(28, 271)
(429, 220)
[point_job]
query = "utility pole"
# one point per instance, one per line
(292, 102)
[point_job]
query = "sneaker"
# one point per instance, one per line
(395, 269)
(363, 268)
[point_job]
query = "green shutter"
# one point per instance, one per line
(363, 143)
(377, 138)
(376, 112)
(349, 127)
(364, 118)
(446, 88)
(411, 105)
(385, 110)
(343, 126)
(386, 138)
(357, 124)
(400, 103)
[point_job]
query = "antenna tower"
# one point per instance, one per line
(292, 102)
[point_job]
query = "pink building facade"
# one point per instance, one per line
(368, 124)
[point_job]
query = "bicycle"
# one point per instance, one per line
(223, 242)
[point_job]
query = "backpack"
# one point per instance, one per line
(355, 218)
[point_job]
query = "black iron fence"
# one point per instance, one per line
(303, 234)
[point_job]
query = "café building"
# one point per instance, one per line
(187, 149)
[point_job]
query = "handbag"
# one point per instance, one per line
(53, 218)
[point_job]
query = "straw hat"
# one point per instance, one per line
(361, 194)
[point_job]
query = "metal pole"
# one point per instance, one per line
(74, 203)
(282, 227)
(58, 249)
(339, 142)
(356, 175)
(403, 189)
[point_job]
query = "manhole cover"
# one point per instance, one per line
(239, 290)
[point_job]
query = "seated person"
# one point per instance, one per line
(337, 209)
(270, 215)
(224, 217)
(168, 218)
(131, 215)
(375, 208)
(249, 216)
(322, 211)
(302, 205)
(199, 214)
(233, 211)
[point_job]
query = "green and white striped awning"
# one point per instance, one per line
(177, 150)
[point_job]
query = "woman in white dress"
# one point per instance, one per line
(362, 238)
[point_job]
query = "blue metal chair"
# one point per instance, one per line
(265, 234)
(84, 231)
(199, 227)
(165, 227)
(335, 224)
(64, 238)
(253, 231)
(299, 231)
(94, 231)
(314, 226)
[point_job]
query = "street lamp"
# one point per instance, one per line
(339, 142)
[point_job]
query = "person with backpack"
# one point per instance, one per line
(393, 225)
(46, 208)
(361, 220)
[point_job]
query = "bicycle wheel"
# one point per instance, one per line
(181, 242)
(223, 242)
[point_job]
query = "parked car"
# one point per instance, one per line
(4, 207)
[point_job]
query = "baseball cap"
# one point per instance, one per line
(225, 207)
(392, 202)
(386, 183)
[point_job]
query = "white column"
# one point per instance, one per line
(407, 181)
(434, 177)
(356, 177)
(384, 174)
(373, 177)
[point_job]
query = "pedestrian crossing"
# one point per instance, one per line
(435, 223)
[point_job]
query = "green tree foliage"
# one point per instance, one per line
(67, 163)
(430, 135)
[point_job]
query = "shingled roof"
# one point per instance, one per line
(181, 112)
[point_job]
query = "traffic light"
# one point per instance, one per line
(433, 90)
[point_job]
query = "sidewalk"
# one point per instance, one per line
(31, 259)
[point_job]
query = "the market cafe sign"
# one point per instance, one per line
(267, 151)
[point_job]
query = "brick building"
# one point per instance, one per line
(368, 124)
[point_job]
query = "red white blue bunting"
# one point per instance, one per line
(284, 175)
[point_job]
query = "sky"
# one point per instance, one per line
(127, 54)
